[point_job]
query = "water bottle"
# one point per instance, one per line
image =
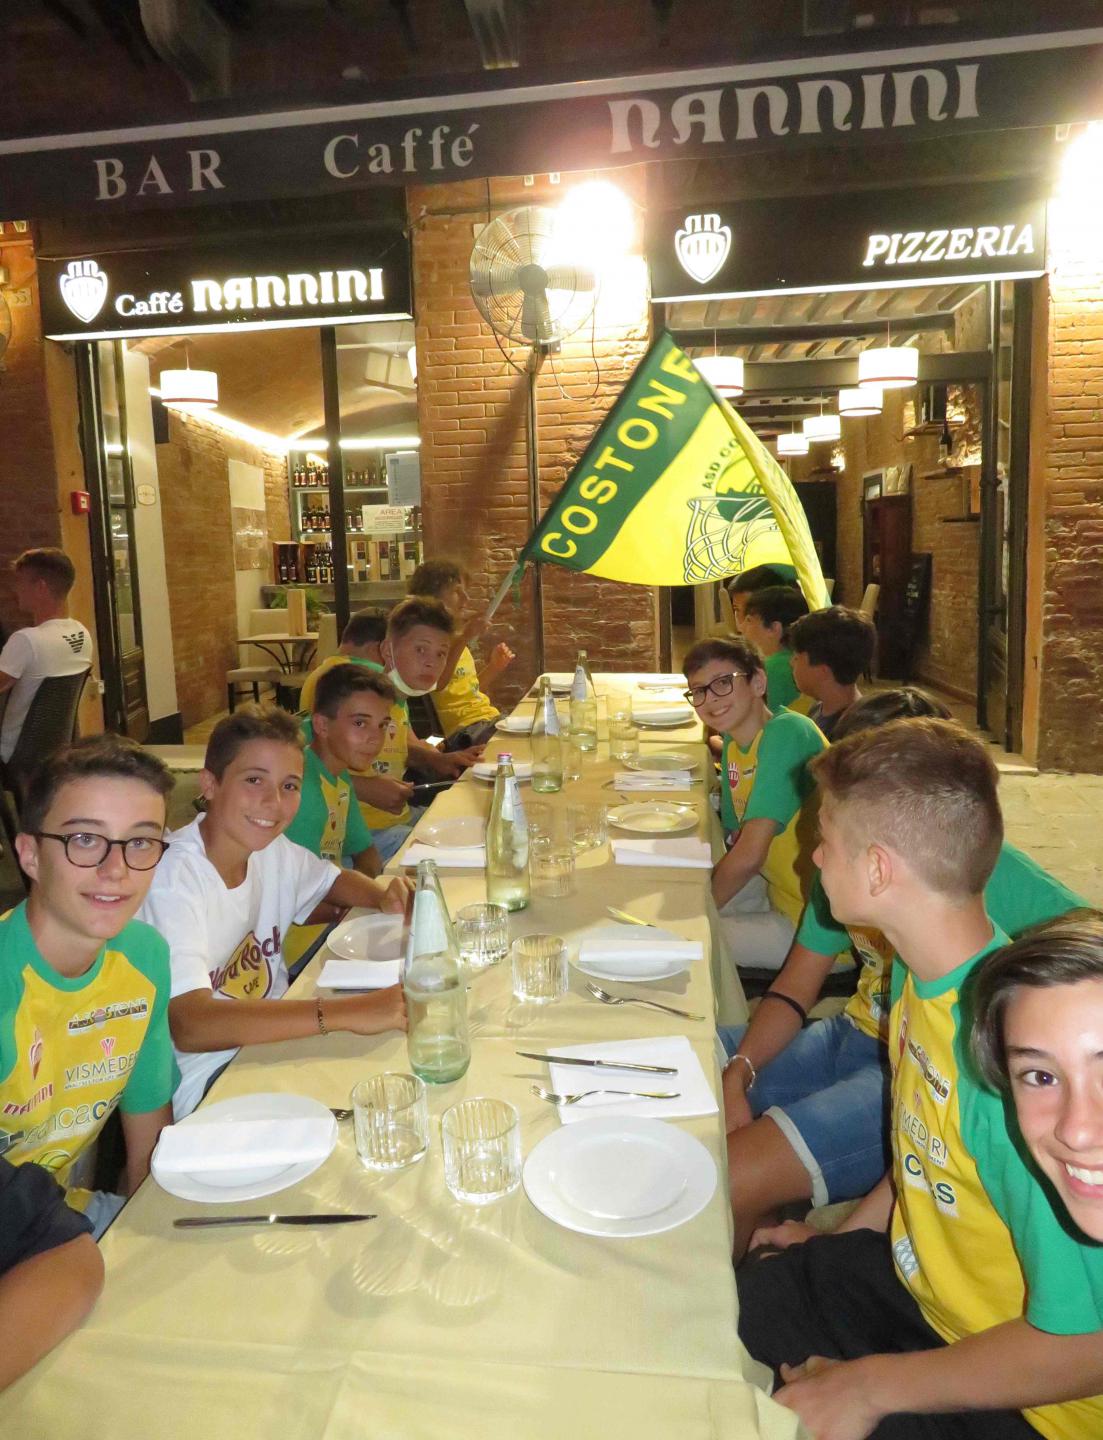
(547, 745)
(436, 997)
(584, 704)
(507, 842)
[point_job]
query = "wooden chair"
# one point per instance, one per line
(260, 670)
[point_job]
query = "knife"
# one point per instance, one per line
(201, 1222)
(600, 1064)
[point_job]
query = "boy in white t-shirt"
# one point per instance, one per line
(232, 884)
(53, 645)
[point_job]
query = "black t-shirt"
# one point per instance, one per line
(34, 1217)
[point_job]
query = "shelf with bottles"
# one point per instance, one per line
(305, 474)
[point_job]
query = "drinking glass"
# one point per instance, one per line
(624, 740)
(573, 750)
(619, 706)
(391, 1117)
(483, 935)
(539, 969)
(586, 825)
(541, 819)
(551, 867)
(481, 1139)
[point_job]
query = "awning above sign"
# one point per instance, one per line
(335, 278)
(838, 242)
(995, 84)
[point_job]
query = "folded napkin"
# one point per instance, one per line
(683, 853)
(662, 682)
(635, 950)
(448, 857)
(651, 780)
(360, 974)
(661, 714)
(695, 1095)
(227, 1145)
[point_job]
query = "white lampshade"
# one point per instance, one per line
(189, 389)
(723, 372)
(823, 427)
(890, 367)
(793, 442)
(411, 360)
(869, 400)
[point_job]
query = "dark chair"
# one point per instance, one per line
(50, 723)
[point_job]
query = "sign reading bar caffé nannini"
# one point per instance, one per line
(873, 237)
(364, 276)
(861, 98)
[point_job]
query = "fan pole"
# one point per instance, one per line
(536, 361)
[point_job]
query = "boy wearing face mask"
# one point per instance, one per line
(414, 653)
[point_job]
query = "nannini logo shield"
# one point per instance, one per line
(702, 246)
(84, 289)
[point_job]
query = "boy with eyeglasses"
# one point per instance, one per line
(761, 883)
(84, 987)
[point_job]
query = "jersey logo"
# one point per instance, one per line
(936, 1083)
(247, 975)
(118, 1010)
(107, 1045)
(34, 1054)
(75, 641)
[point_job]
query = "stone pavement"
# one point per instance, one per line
(1058, 820)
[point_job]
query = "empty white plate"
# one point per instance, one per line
(487, 769)
(460, 831)
(369, 937)
(214, 1189)
(653, 817)
(620, 1176)
(514, 724)
(663, 760)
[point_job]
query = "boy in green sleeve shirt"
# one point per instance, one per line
(767, 616)
(954, 1303)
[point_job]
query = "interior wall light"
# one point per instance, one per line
(793, 442)
(723, 372)
(869, 400)
(411, 360)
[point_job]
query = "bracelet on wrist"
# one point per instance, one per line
(323, 1028)
(786, 1000)
(752, 1072)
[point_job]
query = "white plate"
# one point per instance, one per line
(460, 831)
(216, 1189)
(514, 724)
(663, 760)
(487, 769)
(620, 1176)
(643, 722)
(649, 970)
(558, 684)
(369, 937)
(653, 817)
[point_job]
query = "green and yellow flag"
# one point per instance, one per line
(675, 489)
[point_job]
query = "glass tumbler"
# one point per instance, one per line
(539, 969)
(482, 932)
(481, 1139)
(391, 1118)
(587, 827)
(551, 867)
(573, 751)
(624, 740)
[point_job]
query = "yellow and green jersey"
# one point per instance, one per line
(975, 1237)
(770, 780)
(328, 821)
(72, 1048)
(461, 702)
(1018, 894)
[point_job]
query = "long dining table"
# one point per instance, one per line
(434, 1318)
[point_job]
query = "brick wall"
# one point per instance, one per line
(199, 555)
(28, 483)
(472, 408)
(1068, 441)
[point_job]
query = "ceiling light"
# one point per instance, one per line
(889, 367)
(823, 427)
(723, 372)
(190, 390)
(794, 442)
(869, 400)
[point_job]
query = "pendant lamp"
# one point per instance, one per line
(793, 442)
(869, 400)
(822, 427)
(723, 372)
(888, 367)
(190, 390)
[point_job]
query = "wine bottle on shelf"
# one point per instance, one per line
(945, 444)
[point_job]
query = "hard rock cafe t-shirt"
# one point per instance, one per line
(229, 941)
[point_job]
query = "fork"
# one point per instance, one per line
(606, 999)
(555, 1099)
(339, 1114)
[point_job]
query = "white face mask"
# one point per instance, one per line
(400, 685)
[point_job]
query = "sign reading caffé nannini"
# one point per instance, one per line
(365, 276)
(399, 140)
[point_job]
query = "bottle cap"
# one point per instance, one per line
(504, 755)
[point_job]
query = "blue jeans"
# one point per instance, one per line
(391, 840)
(101, 1209)
(828, 1093)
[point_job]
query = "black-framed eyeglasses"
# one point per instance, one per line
(720, 686)
(86, 850)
